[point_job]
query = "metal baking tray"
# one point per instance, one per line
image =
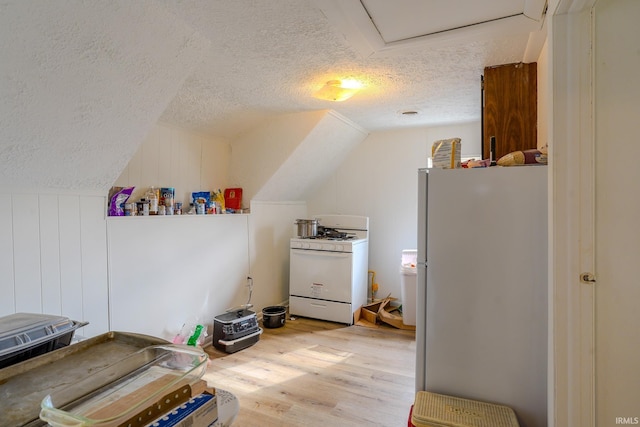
(124, 391)
(24, 385)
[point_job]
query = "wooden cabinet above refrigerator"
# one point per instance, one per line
(509, 108)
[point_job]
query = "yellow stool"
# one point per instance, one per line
(438, 410)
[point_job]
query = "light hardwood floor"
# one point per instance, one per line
(315, 373)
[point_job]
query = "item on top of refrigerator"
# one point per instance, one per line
(473, 163)
(525, 157)
(117, 198)
(445, 153)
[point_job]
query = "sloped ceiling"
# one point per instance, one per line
(81, 83)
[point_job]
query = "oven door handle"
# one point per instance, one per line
(314, 252)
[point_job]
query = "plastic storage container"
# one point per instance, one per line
(408, 280)
(439, 410)
(26, 335)
(128, 389)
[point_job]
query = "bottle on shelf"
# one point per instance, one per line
(153, 195)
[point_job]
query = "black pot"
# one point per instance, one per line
(274, 316)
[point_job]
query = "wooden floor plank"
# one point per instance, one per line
(315, 373)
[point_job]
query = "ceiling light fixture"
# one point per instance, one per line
(338, 90)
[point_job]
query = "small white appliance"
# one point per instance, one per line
(481, 320)
(328, 272)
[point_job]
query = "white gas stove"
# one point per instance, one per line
(328, 273)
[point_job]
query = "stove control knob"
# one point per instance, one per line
(339, 248)
(316, 246)
(305, 246)
(296, 244)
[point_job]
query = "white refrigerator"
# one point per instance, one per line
(481, 319)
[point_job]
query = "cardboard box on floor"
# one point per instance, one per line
(368, 315)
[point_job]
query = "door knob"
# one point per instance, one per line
(588, 278)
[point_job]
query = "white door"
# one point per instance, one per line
(617, 211)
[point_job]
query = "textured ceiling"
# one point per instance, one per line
(268, 57)
(82, 82)
(81, 85)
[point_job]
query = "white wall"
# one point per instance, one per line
(285, 158)
(271, 225)
(260, 152)
(164, 271)
(53, 245)
(53, 257)
(173, 157)
(60, 254)
(379, 180)
(616, 110)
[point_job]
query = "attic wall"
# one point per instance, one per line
(287, 158)
(379, 179)
(257, 154)
(174, 157)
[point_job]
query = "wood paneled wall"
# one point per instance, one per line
(172, 157)
(53, 257)
(60, 254)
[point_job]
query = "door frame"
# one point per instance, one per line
(571, 217)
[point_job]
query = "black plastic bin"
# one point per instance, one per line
(26, 335)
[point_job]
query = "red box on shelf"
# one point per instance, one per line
(233, 198)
